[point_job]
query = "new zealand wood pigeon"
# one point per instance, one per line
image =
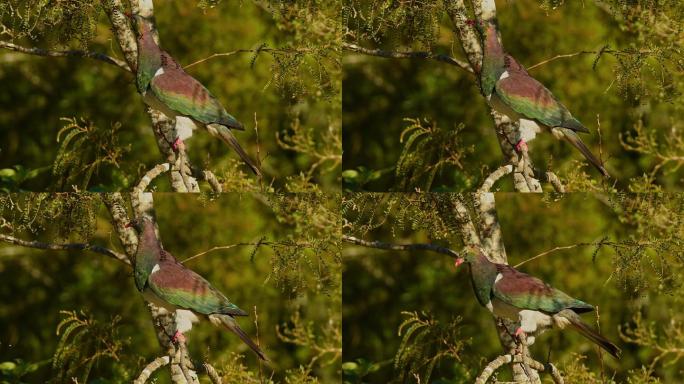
(534, 305)
(510, 90)
(166, 87)
(166, 283)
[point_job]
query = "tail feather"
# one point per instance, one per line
(226, 135)
(591, 334)
(233, 326)
(575, 140)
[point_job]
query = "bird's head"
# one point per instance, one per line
(141, 24)
(467, 255)
(138, 223)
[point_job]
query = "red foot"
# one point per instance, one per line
(178, 337)
(520, 335)
(178, 143)
(521, 146)
(458, 262)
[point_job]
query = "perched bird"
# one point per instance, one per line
(510, 90)
(166, 283)
(534, 305)
(166, 87)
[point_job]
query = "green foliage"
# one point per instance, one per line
(275, 64)
(62, 216)
(58, 21)
(354, 371)
(616, 64)
(427, 151)
(312, 249)
(425, 342)
(324, 342)
(619, 252)
(13, 371)
(433, 212)
(379, 20)
(237, 241)
(83, 150)
(12, 178)
(84, 342)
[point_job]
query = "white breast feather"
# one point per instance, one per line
(184, 127)
(160, 71)
(504, 75)
(531, 320)
(155, 268)
(528, 130)
(184, 320)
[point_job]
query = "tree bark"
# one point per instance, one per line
(164, 128)
(182, 369)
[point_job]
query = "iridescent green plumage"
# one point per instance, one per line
(511, 91)
(534, 305)
(165, 86)
(167, 283)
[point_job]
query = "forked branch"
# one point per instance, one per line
(65, 247)
(400, 247)
(68, 53)
(500, 361)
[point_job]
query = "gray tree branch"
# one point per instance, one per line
(490, 231)
(182, 370)
(400, 247)
(500, 361)
(408, 55)
(68, 53)
(164, 128)
(150, 368)
(523, 176)
(65, 247)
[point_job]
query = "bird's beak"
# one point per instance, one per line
(458, 262)
(130, 224)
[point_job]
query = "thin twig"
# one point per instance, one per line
(65, 247)
(257, 50)
(408, 55)
(220, 247)
(553, 250)
(70, 53)
(150, 368)
(400, 247)
(568, 55)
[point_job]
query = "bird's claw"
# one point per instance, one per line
(178, 143)
(520, 340)
(178, 337)
(521, 146)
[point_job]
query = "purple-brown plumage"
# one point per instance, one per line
(167, 283)
(534, 305)
(166, 87)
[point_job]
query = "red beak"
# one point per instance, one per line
(128, 225)
(458, 262)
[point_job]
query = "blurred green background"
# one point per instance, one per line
(290, 288)
(290, 95)
(379, 285)
(625, 92)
